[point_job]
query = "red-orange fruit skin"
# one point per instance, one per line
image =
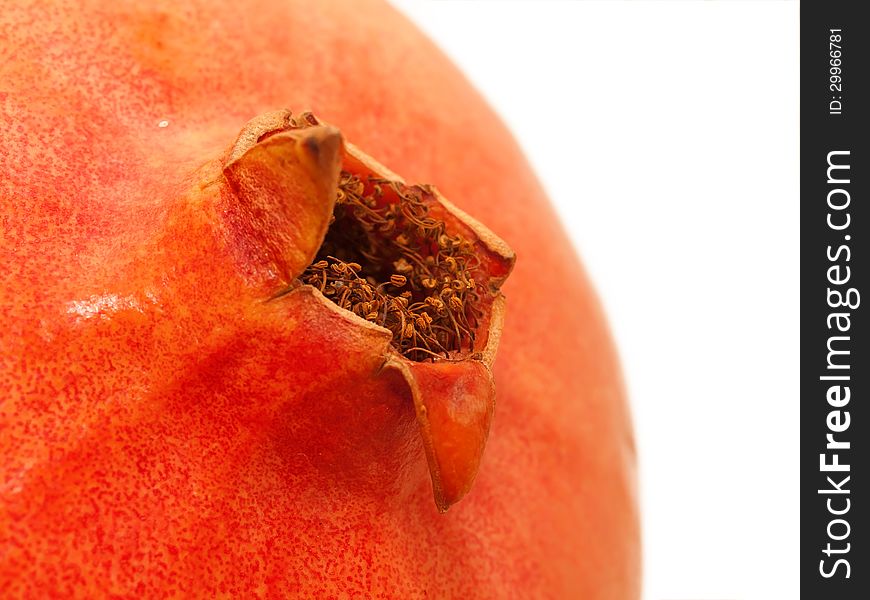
(164, 433)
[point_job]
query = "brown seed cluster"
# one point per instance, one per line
(388, 260)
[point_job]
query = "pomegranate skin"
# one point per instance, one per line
(164, 432)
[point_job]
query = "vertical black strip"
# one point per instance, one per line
(835, 225)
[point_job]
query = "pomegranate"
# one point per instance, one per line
(241, 357)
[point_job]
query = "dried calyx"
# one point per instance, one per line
(390, 261)
(306, 211)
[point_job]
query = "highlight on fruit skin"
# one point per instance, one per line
(399, 258)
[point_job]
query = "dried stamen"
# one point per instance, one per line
(392, 263)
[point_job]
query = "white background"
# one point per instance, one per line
(683, 118)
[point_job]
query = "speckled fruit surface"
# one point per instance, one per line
(165, 432)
